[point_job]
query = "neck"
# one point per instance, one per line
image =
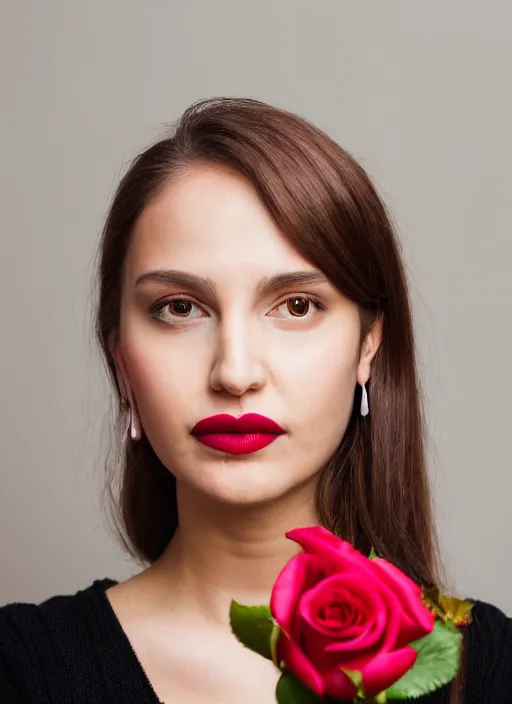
(222, 552)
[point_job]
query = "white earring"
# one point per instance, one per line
(133, 426)
(365, 409)
(134, 433)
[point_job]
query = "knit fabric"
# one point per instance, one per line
(73, 650)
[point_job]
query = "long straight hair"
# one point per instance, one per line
(374, 492)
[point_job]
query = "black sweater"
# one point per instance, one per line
(73, 650)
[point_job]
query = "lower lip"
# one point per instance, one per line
(237, 444)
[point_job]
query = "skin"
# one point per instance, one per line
(231, 350)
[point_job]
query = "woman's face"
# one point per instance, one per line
(215, 332)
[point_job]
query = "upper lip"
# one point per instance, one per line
(248, 423)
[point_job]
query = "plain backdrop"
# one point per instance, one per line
(420, 93)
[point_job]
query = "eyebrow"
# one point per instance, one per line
(207, 288)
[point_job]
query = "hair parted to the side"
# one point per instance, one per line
(375, 490)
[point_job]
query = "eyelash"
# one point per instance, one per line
(157, 307)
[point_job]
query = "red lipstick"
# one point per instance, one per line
(239, 436)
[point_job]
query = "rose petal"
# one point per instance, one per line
(315, 537)
(338, 685)
(394, 618)
(420, 620)
(387, 617)
(353, 662)
(298, 575)
(299, 665)
(332, 608)
(317, 540)
(327, 647)
(358, 593)
(386, 668)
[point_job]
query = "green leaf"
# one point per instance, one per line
(254, 627)
(372, 554)
(357, 680)
(274, 637)
(355, 677)
(291, 691)
(436, 665)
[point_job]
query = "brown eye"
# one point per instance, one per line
(180, 308)
(176, 311)
(298, 306)
(301, 309)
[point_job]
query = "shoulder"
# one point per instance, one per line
(27, 621)
(489, 654)
(33, 639)
(492, 628)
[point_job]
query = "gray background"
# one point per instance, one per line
(419, 92)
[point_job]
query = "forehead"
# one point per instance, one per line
(208, 220)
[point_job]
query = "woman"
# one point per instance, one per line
(247, 269)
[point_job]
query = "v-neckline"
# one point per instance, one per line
(120, 663)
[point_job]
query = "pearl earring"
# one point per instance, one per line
(133, 431)
(132, 428)
(365, 409)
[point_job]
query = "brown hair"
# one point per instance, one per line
(374, 491)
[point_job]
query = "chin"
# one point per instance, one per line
(246, 480)
(246, 495)
(245, 489)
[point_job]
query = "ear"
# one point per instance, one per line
(115, 350)
(371, 344)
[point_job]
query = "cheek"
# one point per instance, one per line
(167, 388)
(166, 380)
(321, 381)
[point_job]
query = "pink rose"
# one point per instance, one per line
(340, 610)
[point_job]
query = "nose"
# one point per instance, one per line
(238, 365)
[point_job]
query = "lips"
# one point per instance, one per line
(249, 423)
(243, 435)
